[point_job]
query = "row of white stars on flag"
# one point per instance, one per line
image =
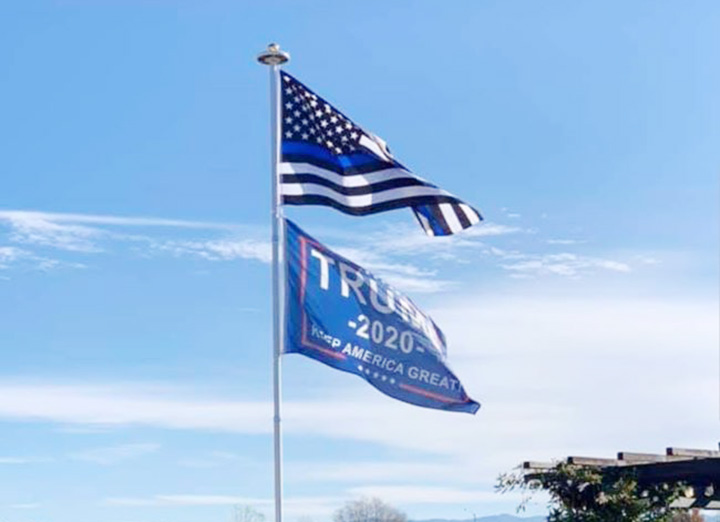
(307, 119)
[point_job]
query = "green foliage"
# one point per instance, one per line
(584, 494)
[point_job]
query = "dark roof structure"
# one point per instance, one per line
(699, 469)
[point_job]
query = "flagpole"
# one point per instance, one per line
(274, 58)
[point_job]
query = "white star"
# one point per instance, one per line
(339, 151)
(329, 143)
(312, 130)
(288, 120)
(296, 99)
(323, 123)
(344, 138)
(296, 128)
(286, 78)
(288, 91)
(319, 139)
(348, 125)
(376, 375)
(360, 367)
(288, 134)
(392, 381)
(313, 103)
(330, 132)
(305, 135)
(318, 113)
(328, 109)
(339, 129)
(297, 114)
(334, 119)
(289, 105)
(384, 378)
(354, 135)
(304, 121)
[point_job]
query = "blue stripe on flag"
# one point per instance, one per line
(344, 161)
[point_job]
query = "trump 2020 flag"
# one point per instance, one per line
(327, 159)
(341, 315)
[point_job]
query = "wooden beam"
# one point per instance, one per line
(639, 458)
(531, 464)
(694, 453)
(591, 461)
(699, 503)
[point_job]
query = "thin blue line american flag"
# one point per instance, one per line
(327, 159)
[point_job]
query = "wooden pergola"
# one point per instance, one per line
(699, 469)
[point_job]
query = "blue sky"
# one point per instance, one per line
(134, 275)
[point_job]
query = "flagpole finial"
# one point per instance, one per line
(273, 55)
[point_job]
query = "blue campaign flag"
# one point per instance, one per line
(340, 314)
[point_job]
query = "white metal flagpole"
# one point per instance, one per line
(274, 57)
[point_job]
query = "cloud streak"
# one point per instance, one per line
(402, 254)
(87, 234)
(21, 216)
(563, 264)
(498, 348)
(115, 454)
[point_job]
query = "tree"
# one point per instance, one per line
(247, 514)
(368, 510)
(583, 494)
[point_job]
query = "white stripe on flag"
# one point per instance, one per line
(427, 227)
(352, 180)
(451, 218)
(361, 200)
(470, 213)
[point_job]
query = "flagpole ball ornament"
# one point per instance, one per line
(273, 55)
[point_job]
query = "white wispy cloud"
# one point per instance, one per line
(115, 454)
(9, 255)
(21, 216)
(564, 241)
(95, 234)
(401, 254)
(407, 240)
(498, 347)
(29, 505)
(213, 459)
(14, 257)
(510, 214)
(402, 275)
(562, 264)
(35, 229)
(539, 364)
(23, 460)
(218, 250)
